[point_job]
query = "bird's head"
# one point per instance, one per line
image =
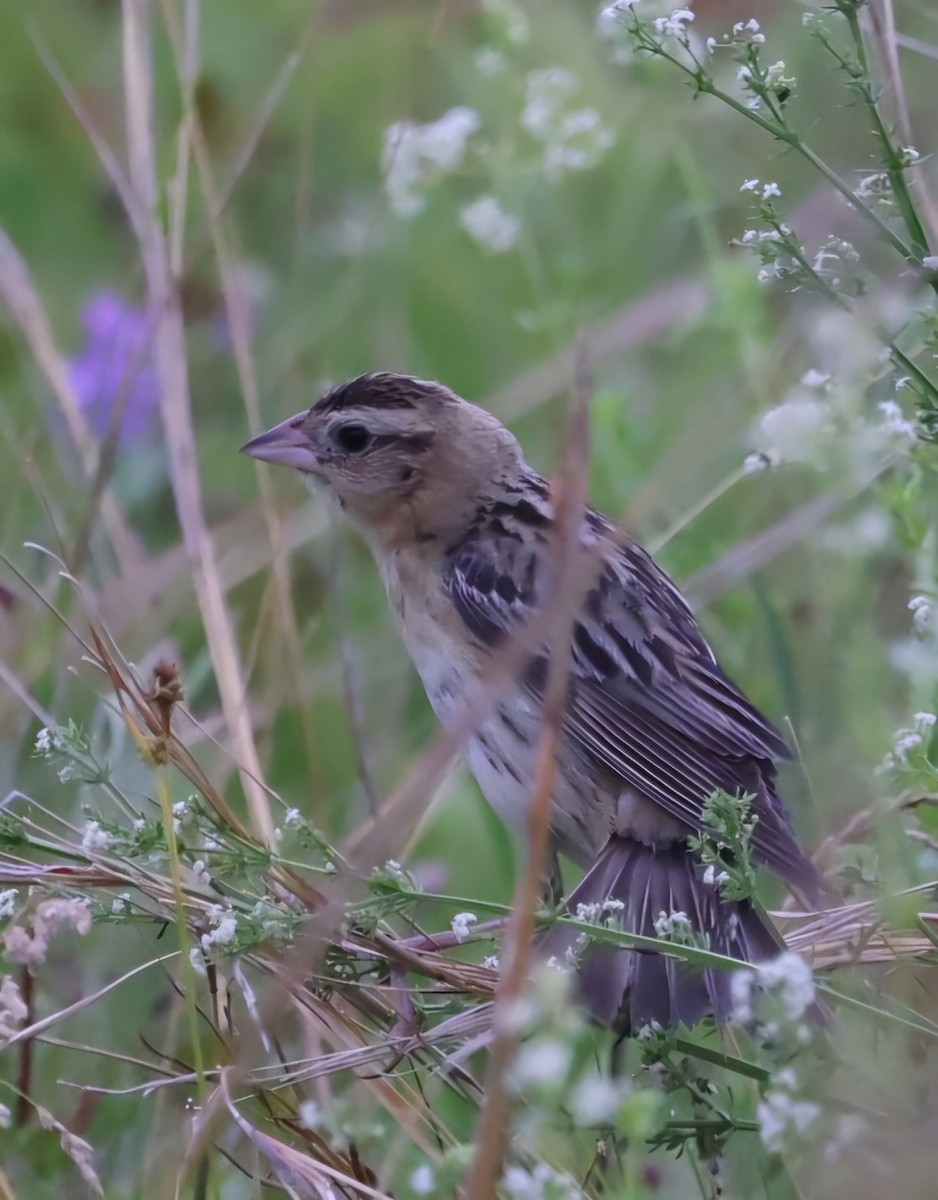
(406, 458)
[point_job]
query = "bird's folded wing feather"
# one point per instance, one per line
(646, 696)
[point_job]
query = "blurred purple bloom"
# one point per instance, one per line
(116, 367)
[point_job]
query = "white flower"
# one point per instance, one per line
(491, 961)
(293, 818)
(7, 903)
(542, 1062)
(796, 431)
(462, 925)
(67, 773)
(753, 464)
(47, 741)
(310, 1114)
(119, 904)
(542, 1182)
(95, 838)
(781, 1115)
(675, 25)
(750, 185)
(224, 928)
(201, 871)
(713, 877)
(490, 225)
(669, 923)
(789, 977)
(423, 1180)
(741, 27)
(414, 154)
(930, 263)
(924, 614)
(771, 189)
(596, 1099)
(573, 139)
(895, 426)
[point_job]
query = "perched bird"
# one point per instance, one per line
(461, 528)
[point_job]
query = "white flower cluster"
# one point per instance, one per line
(907, 741)
(787, 980)
(543, 1062)
(597, 1098)
(782, 1114)
(490, 225)
(542, 1182)
(7, 903)
(95, 838)
(797, 431)
(835, 261)
(713, 878)
(674, 26)
(48, 742)
(924, 615)
(462, 925)
(573, 139)
(224, 928)
(765, 190)
(415, 155)
(667, 925)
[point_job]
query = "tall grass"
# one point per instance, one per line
(260, 931)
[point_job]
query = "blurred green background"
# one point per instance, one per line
(632, 258)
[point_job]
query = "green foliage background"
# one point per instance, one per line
(634, 259)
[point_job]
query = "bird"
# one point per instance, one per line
(462, 530)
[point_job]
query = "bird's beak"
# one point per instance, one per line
(286, 445)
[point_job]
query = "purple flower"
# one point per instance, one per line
(115, 368)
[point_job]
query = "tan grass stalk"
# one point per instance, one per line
(176, 409)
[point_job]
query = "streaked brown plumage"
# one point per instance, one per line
(461, 529)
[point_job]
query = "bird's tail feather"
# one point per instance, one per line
(627, 989)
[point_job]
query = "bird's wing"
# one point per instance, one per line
(647, 698)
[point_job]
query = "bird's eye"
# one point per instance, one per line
(351, 439)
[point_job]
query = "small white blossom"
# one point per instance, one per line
(781, 1115)
(67, 773)
(542, 1062)
(119, 904)
(224, 928)
(293, 818)
(675, 25)
(491, 961)
(423, 1180)
(490, 225)
(95, 838)
(930, 262)
(714, 878)
(573, 139)
(796, 431)
(750, 185)
(895, 426)
(462, 925)
(7, 903)
(596, 1099)
(415, 154)
(647, 1032)
(754, 464)
(200, 869)
(310, 1115)
(542, 1182)
(741, 27)
(668, 924)
(47, 741)
(787, 978)
(771, 189)
(924, 614)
